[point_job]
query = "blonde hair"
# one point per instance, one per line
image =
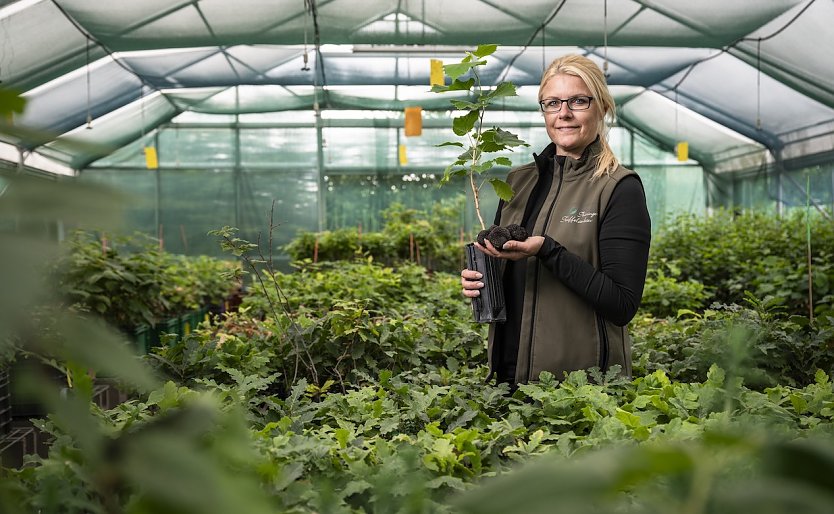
(587, 70)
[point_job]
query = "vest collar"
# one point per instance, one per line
(573, 168)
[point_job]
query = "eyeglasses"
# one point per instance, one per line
(574, 103)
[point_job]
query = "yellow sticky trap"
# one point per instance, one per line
(682, 149)
(413, 121)
(436, 75)
(403, 156)
(150, 158)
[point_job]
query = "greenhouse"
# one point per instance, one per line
(232, 236)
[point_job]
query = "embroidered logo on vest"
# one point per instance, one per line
(577, 216)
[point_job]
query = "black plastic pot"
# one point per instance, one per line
(489, 307)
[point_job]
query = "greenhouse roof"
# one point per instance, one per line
(743, 82)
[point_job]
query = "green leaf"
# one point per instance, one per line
(503, 161)
(464, 105)
(508, 139)
(456, 70)
(503, 89)
(799, 403)
(450, 172)
(502, 189)
(482, 167)
(451, 143)
(460, 85)
(627, 418)
(484, 50)
(463, 124)
(342, 435)
(11, 101)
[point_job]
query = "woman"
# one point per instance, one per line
(575, 283)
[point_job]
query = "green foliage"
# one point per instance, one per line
(470, 125)
(176, 451)
(130, 281)
(339, 319)
(764, 347)
(354, 387)
(665, 296)
(433, 236)
(750, 251)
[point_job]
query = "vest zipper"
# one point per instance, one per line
(536, 273)
(603, 343)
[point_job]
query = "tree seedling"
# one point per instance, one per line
(481, 141)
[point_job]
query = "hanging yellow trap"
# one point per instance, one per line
(682, 149)
(403, 156)
(436, 74)
(151, 160)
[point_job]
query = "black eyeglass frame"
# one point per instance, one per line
(566, 101)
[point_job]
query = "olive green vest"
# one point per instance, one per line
(560, 331)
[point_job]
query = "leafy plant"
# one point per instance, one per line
(733, 253)
(480, 140)
(408, 235)
(665, 296)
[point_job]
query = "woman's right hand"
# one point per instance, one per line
(470, 280)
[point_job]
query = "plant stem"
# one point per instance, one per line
(476, 155)
(477, 200)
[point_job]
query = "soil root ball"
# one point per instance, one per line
(482, 235)
(498, 236)
(517, 232)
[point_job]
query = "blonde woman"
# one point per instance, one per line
(574, 284)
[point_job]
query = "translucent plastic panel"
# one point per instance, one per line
(246, 16)
(139, 212)
(110, 132)
(266, 118)
(131, 155)
(161, 66)
(197, 147)
(191, 98)
(664, 121)
(811, 185)
(366, 148)
(266, 98)
(192, 203)
(354, 199)
(279, 148)
(726, 90)
(760, 191)
(38, 44)
(296, 204)
(179, 22)
(191, 117)
(112, 19)
(813, 74)
(62, 104)
(671, 190)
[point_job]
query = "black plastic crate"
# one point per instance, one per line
(5, 402)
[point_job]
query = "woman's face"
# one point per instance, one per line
(571, 131)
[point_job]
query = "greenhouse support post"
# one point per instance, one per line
(320, 197)
(808, 246)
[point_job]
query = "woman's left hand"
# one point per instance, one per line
(514, 250)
